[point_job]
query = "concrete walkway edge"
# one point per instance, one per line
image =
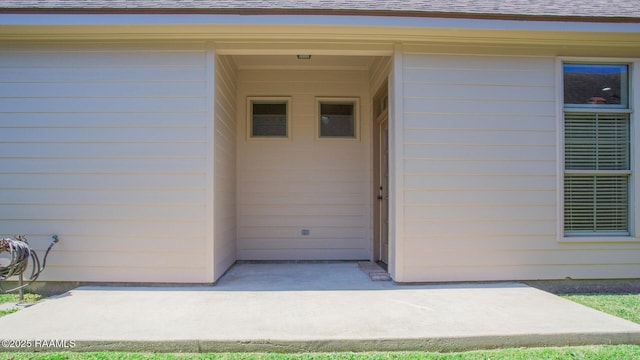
(452, 344)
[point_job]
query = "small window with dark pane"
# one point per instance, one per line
(596, 85)
(268, 118)
(338, 118)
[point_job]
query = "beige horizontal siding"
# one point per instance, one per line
(97, 165)
(285, 186)
(173, 271)
(480, 181)
(302, 198)
(479, 137)
(323, 252)
(317, 243)
(478, 92)
(100, 227)
(453, 214)
(506, 242)
(479, 122)
(255, 233)
(106, 147)
(86, 133)
(476, 153)
(116, 71)
(105, 120)
(469, 227)
(104, 212)
(225, 166)
(142, 90)
(303, 210)
(464, 167)
(67, 150)
(465, 197)
(461, 272)
(88, 105)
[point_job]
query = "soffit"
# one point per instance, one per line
(292, 62)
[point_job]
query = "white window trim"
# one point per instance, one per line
(634, 188)
(356, 117)
(249, 120)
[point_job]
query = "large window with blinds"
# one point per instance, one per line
(597, 155)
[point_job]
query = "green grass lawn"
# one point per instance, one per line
(5, 298)
(28, 297)
(8, 311)
(625, 306)
(620, 352)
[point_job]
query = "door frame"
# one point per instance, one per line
(383, 189)
(380, 118)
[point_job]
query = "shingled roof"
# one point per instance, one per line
(580, 10)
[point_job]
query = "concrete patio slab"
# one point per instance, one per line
(309, 307)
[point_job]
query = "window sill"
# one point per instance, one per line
(598, 239)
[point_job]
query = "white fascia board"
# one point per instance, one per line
(341, 20)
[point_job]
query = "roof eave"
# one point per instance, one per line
(340, 12)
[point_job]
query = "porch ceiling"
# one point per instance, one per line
(316, 62)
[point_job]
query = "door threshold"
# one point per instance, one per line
(374, 271)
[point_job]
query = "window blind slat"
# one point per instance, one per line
(596, 141)
(596, 203)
